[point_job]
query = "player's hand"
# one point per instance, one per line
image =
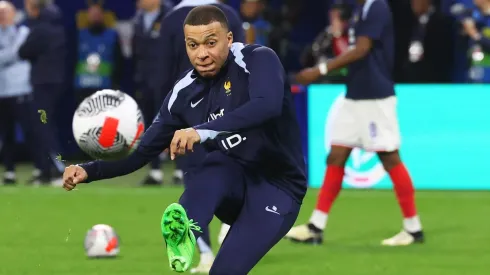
(72, 176)
(183, 141)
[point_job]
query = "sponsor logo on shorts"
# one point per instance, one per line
(363, 169)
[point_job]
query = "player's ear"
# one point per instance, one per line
(229, 36)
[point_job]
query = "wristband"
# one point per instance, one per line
(323, 68)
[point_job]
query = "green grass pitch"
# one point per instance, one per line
(42, 231)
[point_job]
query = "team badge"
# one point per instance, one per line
(227, 87)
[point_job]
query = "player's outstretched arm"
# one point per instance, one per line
(266, 92)
(369, 30)
(153, 142)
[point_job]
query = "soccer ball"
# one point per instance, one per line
(101, 241)
(108, 125)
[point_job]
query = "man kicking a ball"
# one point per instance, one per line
(239, 104)
(367, 119)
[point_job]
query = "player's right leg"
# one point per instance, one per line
(345, 135)
(205, 189)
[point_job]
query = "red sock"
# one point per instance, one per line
(332, 183)
(404, 191)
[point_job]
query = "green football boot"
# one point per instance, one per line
(178, 235)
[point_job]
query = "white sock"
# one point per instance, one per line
(36, 173)
(319, 219)
(412, 224)
(204, 247)
(178, 174)
(224, 229)
(9, 175)
(207, 258)
(156, 174)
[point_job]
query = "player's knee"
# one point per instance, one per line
(338, 156)
(389, 159)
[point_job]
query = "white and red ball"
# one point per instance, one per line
(108, 125)
(101, 241)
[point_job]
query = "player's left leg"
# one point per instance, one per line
(266, 216)
(405, 194)
(381, 134)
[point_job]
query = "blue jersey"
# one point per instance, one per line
(371, 77)
(246, 111)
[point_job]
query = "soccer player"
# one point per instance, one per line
(367, 119)
(175, 62)
(238, 100)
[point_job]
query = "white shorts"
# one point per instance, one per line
(368, 124)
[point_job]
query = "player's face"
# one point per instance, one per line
(207, 47)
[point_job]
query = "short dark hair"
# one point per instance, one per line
(206, 14)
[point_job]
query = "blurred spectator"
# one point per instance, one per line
(477, 26)
(430, 50)
(147, 54)
(99, 55)
(256, 27)
(16, 101)
(331, 42)
(46, 50)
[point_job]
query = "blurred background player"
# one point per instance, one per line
(16, 100)
(366, 119)
(148, 60)
(45, 49)
(331, 42)
(99, 56)
(175, 63)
